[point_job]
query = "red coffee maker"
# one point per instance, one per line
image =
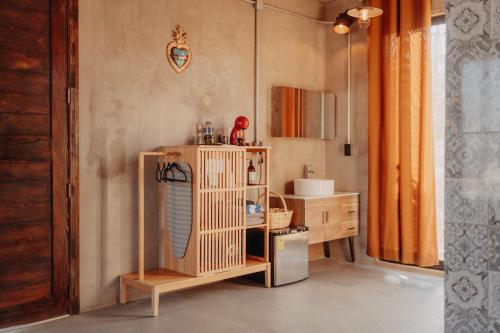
(237, 136)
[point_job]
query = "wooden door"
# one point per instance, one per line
(315, 220)
(333, 222)
(34, 228)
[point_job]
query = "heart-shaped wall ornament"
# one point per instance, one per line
(178, 52)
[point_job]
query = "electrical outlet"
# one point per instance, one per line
(347, 149)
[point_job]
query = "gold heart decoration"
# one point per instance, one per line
(178, 52)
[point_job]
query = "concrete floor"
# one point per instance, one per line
(338, 297)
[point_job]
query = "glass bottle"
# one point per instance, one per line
(252, 174)
(199, 134)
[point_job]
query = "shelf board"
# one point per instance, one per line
(256, 186)
(256, 258)
(165, 280)
(257, 149)
(255, 226)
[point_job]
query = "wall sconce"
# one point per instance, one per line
(364, 13)
(343, 23)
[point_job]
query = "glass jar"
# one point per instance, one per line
(208, 133)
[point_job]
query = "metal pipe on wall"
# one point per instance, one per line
(290, 12)
(258, 7)
(349, 88)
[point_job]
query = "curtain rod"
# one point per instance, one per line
(289, 12)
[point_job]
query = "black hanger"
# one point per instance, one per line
(172, 167)
(176, 166)
(164, 176)
(159, 171)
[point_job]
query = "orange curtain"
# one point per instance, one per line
(401, 195)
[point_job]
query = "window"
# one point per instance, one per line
(438, 54)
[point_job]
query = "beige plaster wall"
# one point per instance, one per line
(438, 7)
(292, 53)
(350, 172)
(131, 100)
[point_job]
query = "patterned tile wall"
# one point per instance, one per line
(472, 202)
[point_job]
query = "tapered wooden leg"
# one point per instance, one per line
(326, 249)
(267, 279)
(351, 248)
(123, 291)
(155, 300)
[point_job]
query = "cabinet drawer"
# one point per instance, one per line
(341, 229)
(349, 225)
(349, 211)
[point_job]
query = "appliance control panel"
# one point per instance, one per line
(290, 230)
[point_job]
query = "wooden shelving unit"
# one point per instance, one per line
(205, 262)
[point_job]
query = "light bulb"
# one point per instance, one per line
(364, 18)
(364, 14)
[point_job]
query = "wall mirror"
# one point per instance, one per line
(301, 113)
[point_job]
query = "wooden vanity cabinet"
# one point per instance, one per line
(328, 218)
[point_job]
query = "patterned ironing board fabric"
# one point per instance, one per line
(180, 211)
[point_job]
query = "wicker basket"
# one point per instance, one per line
(278, 217)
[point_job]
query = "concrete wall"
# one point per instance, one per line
(438, 7)
(292, 53)
(131, 101)
(472, 201)
(350, 172)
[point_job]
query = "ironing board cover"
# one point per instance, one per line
(180, 211)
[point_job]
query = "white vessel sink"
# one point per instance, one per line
(308, 187)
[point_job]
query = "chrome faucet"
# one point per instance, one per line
(308, 171)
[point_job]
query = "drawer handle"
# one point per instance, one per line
(351, 228)
(352, 211)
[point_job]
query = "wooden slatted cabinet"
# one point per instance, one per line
(217, 245)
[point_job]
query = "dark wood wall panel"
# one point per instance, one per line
(25, 147)
(40, 5)
(29, 312)
(24, 192)
(24, 293)
(25, 61)
(24, 103)
(24, 19)
(74, 166)
(22, 212)
(36, 234)
(27, 124)
(24, 171)
(26, 283)
(23, 40)
(31, 83)
(23, 275)
(59, 144)
(28, 243)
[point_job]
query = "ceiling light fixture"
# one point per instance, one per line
(343, 23)
(364, 13)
